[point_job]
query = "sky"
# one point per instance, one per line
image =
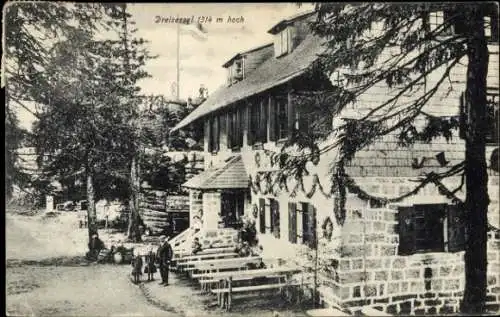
(200, 61)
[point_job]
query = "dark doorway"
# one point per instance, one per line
(232, 208)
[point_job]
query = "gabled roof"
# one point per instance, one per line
(281, 24)
(226, 64)
(231, 176)
(271, 73)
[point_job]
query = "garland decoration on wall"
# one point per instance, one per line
(275, 182)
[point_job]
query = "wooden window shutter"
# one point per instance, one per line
(249, 123)
(272, 119)
(263, 121)
(292, 222)
(463, 116)
(456, 227)
(311, 228)
(262, 215)
(275, 217)
(217, 133)
(290, 115)
(224, 133)
(208, 138)
(240, 124)
(304, 121)
(406, 228)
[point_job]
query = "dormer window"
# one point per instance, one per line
(238, 69)
(235, 71)
(282, 42)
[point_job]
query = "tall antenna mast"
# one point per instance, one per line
(178, 58)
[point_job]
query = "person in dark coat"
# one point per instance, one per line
(150, 268)
(196, 247)
(137, 268)
(95, 246)
(164, 255)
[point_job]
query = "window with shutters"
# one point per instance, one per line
(262, 215)
(450, 22)
(431, 228)
(492, 117)
(308, 225)
(275, 217)
(292, 222)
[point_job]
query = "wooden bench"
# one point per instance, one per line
(206, 280)
(221, 264)
(255, 272)
(370, 311)
(185, 263)
(179, 255)
(326, 312)
(224, 294)
(211, 256)
(215, 262)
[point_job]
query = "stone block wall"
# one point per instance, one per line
(195, 203)
(369, 272)
(218, 237)
(493, 289)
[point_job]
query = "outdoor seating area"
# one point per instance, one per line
(222, 272)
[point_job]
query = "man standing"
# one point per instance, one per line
(164, 255)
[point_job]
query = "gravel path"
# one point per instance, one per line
(47, 276)
(98, 290)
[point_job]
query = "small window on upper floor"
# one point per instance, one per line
(491, 27)
(238, 69)
(453, 25)
(282, 42)
(338, 79)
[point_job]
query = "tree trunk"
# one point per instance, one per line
(475, 168)
(133, 231)
(91, 212)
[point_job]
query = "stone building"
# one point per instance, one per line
(403, 256)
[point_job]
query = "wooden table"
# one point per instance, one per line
(209, 279)
(324, 312)
(257, 272)
(188, 261)
(226, 289)
(203, 257)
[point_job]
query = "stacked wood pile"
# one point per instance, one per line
(194, 164)
(153, 211)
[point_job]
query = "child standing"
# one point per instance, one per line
(150, 268)
(137, 268)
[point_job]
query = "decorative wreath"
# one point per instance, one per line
(327, 227)
(257, 159)
(255, 210)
